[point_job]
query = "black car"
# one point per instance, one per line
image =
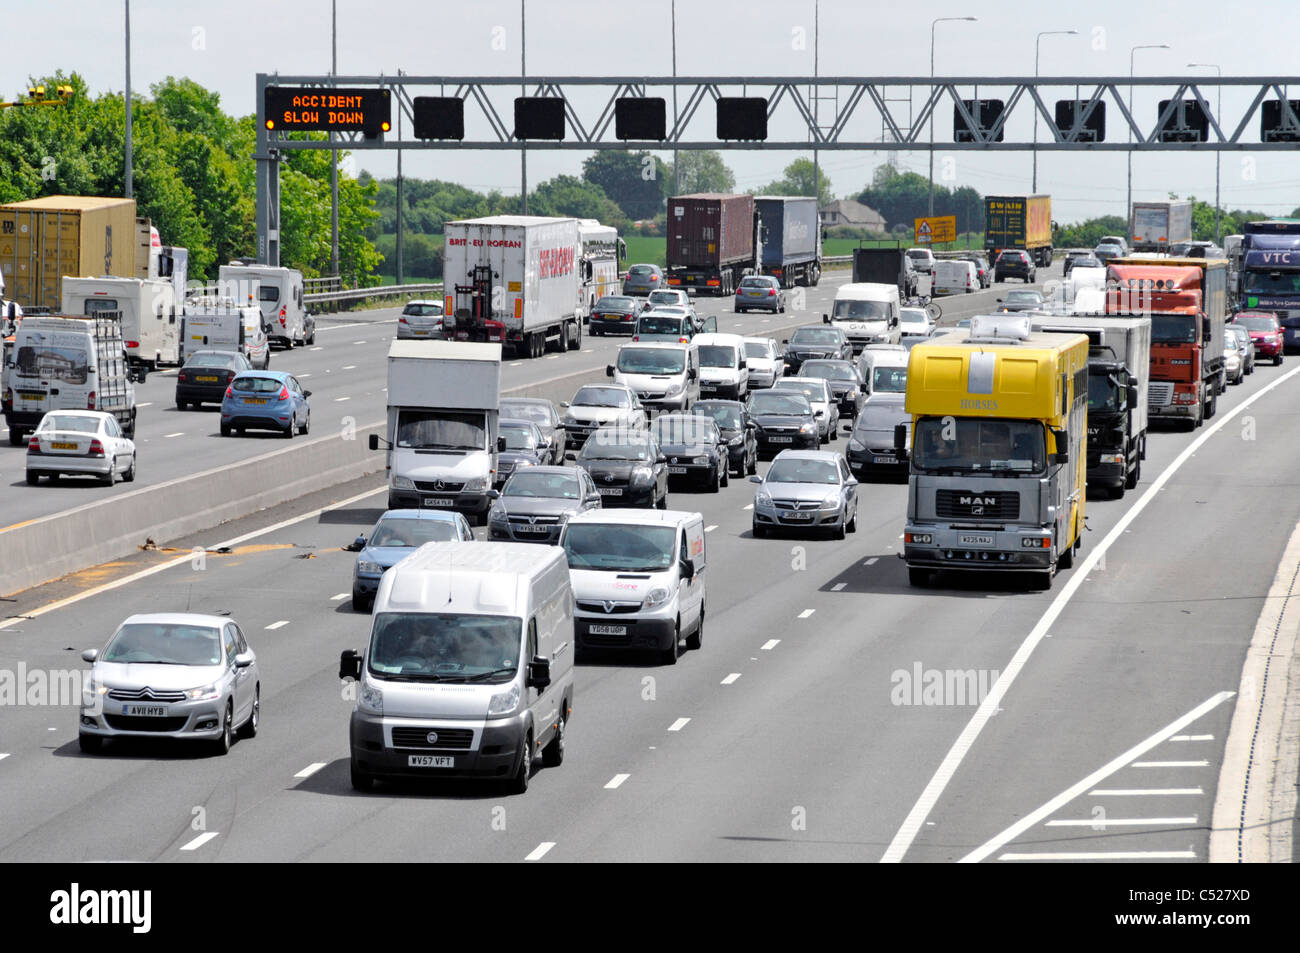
(1080, 259)
(543, 413)
(815, 342)
(627, 468)
(844, 381)
(524, 448)
(1014, 263)
(206, 375)
(784, 420)
(614, 314)
(738, 431)
(535, 504)
(694, 447)
(1021, 301)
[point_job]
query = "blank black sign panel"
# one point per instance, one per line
(742, 117)
(438, 117)
(640, 118)
(1094, 130)
(539, 117)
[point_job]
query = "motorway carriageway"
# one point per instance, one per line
(795, 733)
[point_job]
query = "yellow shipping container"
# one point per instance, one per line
(41, 240)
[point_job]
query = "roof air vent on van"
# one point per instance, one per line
(999, 328)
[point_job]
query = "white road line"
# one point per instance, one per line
(317, 347)
(179, 433)
(838, 586)
(731, 678)
(337, 399)
(200, 841)
(1105, 771)
(349, 367)
(679, 724)
(1170, 764)
(552, 357)
(616, 781)
(588, 351)
(3, 755)
(311, 769)
(340, 597)
(1103, 823)
(515, 364)
(871, 561)
(748, 506)
(1142, 792)
(710, 529)
(147, 403)
(540, 850)
(358, 342)
(278, 625)
(1192, 738)
(769, 645)
(1108, 855)
(920, 812)
(806, 613)
(302, 376)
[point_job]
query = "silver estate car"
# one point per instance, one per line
(807, 490)
(174, 675)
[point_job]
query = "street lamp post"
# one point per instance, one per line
(1128, 208)
(1218, 114)
(932, 26)
(1037, 40)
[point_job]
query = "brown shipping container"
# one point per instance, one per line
(41, 240)
(710, 229)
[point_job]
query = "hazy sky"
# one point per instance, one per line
(222, 44)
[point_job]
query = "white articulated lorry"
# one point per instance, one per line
(443, 401)
(515, 280)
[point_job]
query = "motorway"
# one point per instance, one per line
(796, 733)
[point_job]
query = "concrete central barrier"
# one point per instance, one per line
(52, 546)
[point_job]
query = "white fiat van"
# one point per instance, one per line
(469, 667)
(868, 312)
(639, 579)
(724, 371)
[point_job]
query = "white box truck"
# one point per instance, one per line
(1154, 226)
(149, 312)
(1119, 375)
(443, 399)
(278, 292)
(514, 280)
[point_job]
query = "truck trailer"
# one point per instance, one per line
(1154, 226)
(710, 241)
(885, 266)
(514, 280)
(1019, 221)
(790, 239)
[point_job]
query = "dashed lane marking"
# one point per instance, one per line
(540, 850)
(278, 625)
(679, 724)
(616, 781)
(200, 841)
(731, 678)
(806, 613)
(769, 645)
(311, 769)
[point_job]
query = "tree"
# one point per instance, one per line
(572, 197)
(799, 179)
(636, 181)
(702, 171)
(901, 197)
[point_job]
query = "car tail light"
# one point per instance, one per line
(636, 337)
(180, 376)
(132, 343)
(401, 320)
(90, 401)
(34, 445)
(683, 341)
(771, 292)
(230, 391)
(96, 448)
(284, 393)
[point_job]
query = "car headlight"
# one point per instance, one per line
(701, 461)
(642, 475)
(808, 428)
(762, 498)
(371, 698)
(856, 444)
(831, 499)
(475, 484)
(403, 483)
(496, 515)
(852, 394)
(655, 598)
(503, 703)
(366, 566)
(675, 388)
(205, 694)
(91, 690)
(737, 440)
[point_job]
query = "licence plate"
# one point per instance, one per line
(255, 400)
(780, 439)
(532, 529)
(755, 294)
(206, 380)
(607, 629)
(59, 445)
(967, 539)
(882, 458)
(797, 517)
(429, 761)
(610, 490)
(419, 332)
(676, 470)
(708, 387)
(436, 501)
(146, 711)
(31, 395)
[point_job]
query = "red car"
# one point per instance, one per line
(1265, 333)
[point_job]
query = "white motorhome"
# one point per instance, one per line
(66, 363)
(468, 671)
(724, 371)
(443, 402)
(665, 375)
(639, 578)
(602, 250)
(149, 312)
(867, 312)
(218, 324)
(278, 292)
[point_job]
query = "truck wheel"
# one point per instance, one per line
(15, 437)
(1134, 475)
(1211, 406)
(916, 576)
(575, 339)
(1117, 493)
(1067, 557)
(553, 753)
(564, 337)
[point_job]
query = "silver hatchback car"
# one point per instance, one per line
(175, 675)
(806, 490)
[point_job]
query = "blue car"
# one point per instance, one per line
(265, 400)
(398, 534)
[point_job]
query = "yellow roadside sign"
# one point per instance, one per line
(932, 231)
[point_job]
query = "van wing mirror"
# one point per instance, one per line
(350, 664)
(900, 439)
(1132, 395)
(609, 372)
(539, 672)
(1062, 440)
(688, 568)
(374, 441)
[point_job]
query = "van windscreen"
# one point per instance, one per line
(441, 430)
(609, 547)
(444, 647)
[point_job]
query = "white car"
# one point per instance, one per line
(766, 365)
(914, 322)
(420, 319)
(80, 443)
(671, 297)
(922, 260)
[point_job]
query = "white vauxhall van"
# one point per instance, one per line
(639, 579)
(469, 667)
(868, 313)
